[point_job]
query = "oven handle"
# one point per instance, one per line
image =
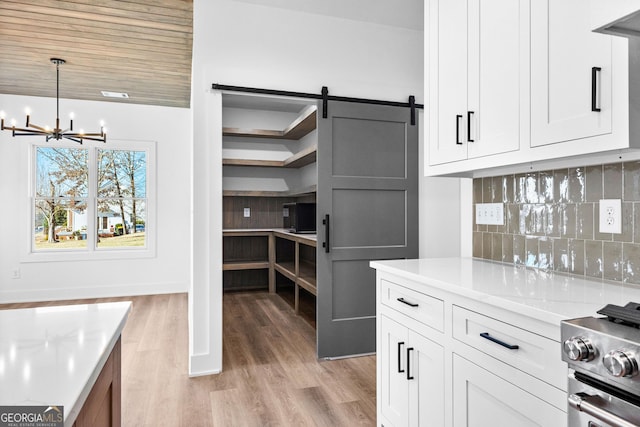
(588, 404)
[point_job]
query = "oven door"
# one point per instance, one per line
(592, 407)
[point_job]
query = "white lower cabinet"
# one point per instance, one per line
(445, 360)
(482, 398)
(412, 377)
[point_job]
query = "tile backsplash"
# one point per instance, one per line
(551, 221)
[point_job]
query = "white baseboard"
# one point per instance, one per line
(58, 294)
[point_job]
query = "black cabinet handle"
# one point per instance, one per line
(409, 376)
(325, 244)
(458, 117)
(469, 114)
(400, 344)
(410, 304)
(486, 335)
(594, 88)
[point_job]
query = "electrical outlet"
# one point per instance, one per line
(247, 212)
(490, 213)
(611, 216)
(15, 273)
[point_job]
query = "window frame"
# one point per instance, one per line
(92, 252)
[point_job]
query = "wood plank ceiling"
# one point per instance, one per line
(140, 47)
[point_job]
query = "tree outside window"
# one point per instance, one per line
(66, 201)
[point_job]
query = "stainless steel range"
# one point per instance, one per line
(604, 354)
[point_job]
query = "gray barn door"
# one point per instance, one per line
(368, 187)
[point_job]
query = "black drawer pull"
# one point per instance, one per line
(469, 121)
(410, 304)
(400, 344)
(497, 341)
(458, 118)
(409, 376)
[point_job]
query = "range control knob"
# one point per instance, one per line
(579, 349)
(621, 363)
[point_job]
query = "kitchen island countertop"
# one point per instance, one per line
(53, 355)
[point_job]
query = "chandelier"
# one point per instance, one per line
(55, 133)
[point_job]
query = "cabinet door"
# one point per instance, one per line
(564, 51)
(393, 363)
(481, 398)
(447, 79)
(426, 389)
(498, 32)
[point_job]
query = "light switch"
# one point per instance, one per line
(247, 212)
(490, 213)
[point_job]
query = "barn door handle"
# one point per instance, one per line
(595, 71)
(325, 244)
(458, 117)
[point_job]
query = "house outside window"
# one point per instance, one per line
(92, 202)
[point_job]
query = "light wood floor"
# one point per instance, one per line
(270, 377)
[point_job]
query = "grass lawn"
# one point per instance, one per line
(136, 239)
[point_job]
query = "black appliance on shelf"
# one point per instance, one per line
(604, 380)
(299, 217)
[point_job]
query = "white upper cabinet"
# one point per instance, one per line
(477, 57)
(513, 82)
(571, 74)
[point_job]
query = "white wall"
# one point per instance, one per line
(168, 271)
(237, 43)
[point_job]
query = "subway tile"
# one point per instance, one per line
(593, 264)
(508, 189)
(477, 244)
(545, 254)
(519, 249)
(575, 250)
(627, 224)
(536, 218)
(631, 261)
(561, 255)
(568, 221)
(496, 190)
(636, 223)
(561, 185)
(531, 188)
(496, 246)
(584, 221)
(612, 261)
(593, 183)
(531, 251)
(631, 177)
(552, 223)
(519, 182)
(512, 213)
(613, 181)
(576, 190)
(477, 190)
(507, 248)
(546, 187)
(487, 190)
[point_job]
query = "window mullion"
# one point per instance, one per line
(92, 208)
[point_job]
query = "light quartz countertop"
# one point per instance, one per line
(549, 297)
(53, 355)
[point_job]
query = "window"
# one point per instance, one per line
(91, 202)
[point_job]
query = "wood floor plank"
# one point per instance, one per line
(271, 375)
